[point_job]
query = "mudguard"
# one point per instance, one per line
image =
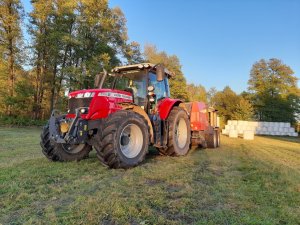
(166, 105)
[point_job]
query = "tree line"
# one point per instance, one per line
(71, 41)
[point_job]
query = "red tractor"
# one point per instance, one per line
(120, 122)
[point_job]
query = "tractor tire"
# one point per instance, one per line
(62, 152)
(212, 140)
(179, 137)
(218, 138)
(47, 147)
(124, 140)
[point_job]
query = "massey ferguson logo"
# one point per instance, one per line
(115, 95)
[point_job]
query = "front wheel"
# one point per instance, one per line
(62, 152)
(124, 140)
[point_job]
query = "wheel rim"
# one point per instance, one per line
(73, 149)
(131, 140)
(181, 133)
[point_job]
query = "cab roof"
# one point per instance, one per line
(137, 67)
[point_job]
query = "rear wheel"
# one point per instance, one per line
(218, 138)
(179, 133)
(62, 152)
(212, 139)
(124, 140)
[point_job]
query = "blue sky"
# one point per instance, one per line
(217, 41)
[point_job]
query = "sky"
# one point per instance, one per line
(217, 41)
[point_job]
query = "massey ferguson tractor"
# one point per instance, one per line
(120, 121)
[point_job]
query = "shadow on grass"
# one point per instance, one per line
(282, 138)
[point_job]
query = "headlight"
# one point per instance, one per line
(89, 94)
(85, 95)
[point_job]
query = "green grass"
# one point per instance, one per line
(243, 182)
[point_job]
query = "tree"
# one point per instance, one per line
(232, 106)
(244, 110)
(210, 96)
(274, 91)
(133, 53)
(72, 42)
(196, 93)
(226, 102)
(11, 14)
(178, 86)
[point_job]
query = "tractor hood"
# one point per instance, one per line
(96, 103)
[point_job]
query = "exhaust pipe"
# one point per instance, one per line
(100, 78)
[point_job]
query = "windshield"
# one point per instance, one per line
(136, 84)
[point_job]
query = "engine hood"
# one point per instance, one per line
(111, 93)
(98, 102)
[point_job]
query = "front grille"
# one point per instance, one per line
(75, 103)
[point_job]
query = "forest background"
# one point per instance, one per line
(70, 42)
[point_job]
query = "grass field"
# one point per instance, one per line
(243, 182)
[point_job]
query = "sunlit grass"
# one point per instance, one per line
(243, 182)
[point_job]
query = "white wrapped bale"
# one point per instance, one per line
(281, 129)
(234, 122)
(291, 129)
(295, 134)
(253, 123)
(229, 122)
(250, 128)
(240, 127)
(248, 135)
(233, 134)
(239, 131)
(241, 123)
(286, 130)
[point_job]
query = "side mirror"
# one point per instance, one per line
(160, 72)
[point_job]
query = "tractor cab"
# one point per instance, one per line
(146, 83)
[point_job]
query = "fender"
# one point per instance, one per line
(166, 105)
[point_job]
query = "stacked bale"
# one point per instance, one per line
(260, 128)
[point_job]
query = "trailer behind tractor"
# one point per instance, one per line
(121, 120)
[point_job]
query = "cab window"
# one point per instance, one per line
(160, 88)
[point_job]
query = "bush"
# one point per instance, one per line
(20, 121)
